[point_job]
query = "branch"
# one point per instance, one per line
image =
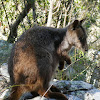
(5, 13)
(50, 13)
(34, 14)
(59, 21)
(13, 27)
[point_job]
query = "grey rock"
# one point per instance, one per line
(5, 49)
(73, 85)
(4, 71)
(93, 94)
(5, 94)
(40, 98)
(71, 97)
(29, 95)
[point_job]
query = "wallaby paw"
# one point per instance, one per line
(68, 61)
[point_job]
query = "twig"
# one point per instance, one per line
(5, 13)
(13, 28)
(47, 91)
(80, 73)
(72, 63)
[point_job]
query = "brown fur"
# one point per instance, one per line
(36, 55)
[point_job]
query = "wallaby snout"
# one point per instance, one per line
(86, 47)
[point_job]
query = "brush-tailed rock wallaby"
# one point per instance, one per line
(36, 55)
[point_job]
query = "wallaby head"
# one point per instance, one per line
(76, 35)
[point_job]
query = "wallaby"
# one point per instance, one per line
(36, 55)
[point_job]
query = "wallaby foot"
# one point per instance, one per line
(55, 89)
(53, 95)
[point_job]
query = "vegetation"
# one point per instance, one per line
(16, 16)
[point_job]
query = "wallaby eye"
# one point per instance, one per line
(74, 28)
(81, 39)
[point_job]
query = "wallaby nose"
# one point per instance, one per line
(86, 48)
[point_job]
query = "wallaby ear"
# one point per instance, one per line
(81, 21)
(75, 24)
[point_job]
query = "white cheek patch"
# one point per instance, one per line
(78, 44)
(64, 45)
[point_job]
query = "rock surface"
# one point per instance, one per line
(5, 49)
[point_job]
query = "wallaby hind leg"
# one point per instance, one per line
(16, 93)
(54, 89)
(61, 65)
(53, 95)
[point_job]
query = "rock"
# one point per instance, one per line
(40, 98)
(29, 95)
(5, 49)
(93, 94)
(4, 80)
(75, 90)
(26, 95)
(71, 97)
(73, 85)
(5, 94)
(4, 71)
